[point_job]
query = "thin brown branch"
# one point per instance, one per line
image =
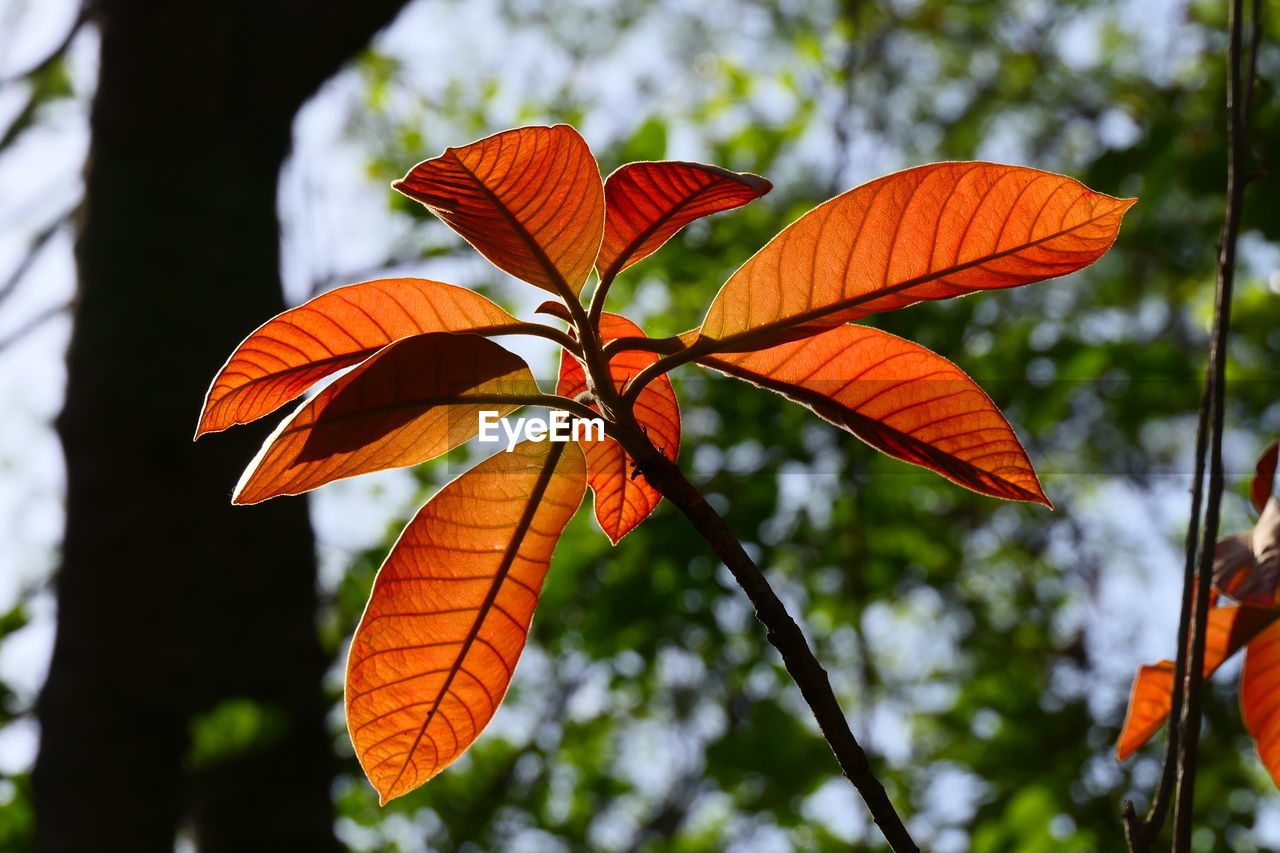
(1237, 152)
(780, 629)
(538, 330)
(1179, 770)
(1141, 834)
(664, 346)
(599, 295)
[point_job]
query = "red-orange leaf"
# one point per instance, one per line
(1260, 697)
(294, 350)
(450, 610)
(1264, 476)
(647, 203)
(414, 400)
(530, 200)
(930, 232)
(1149, 703)
(1230, 628)
(623, 498)
(900, 398)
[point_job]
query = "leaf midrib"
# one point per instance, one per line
(557, 278)
(424, 403)
(504, 568)
(832, 409)
(784, 323)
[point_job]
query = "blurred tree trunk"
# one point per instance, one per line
(170, 601)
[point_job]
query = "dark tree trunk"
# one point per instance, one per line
(170, 601)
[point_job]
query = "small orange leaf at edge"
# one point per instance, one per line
(1230, 628)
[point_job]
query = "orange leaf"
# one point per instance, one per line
(647, 203)
(930, 232)
(1247, 566)
(450, 610)
(414, 400)
(530, 200)
(623, 498)
(1260, 698)
(1264, 476)
(1229, 629)
(294, 350)
(901, 399)
(1149, 704)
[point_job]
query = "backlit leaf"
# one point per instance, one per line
(623, 498)
(294, 350)
(1229, 629)
(647, 203)
(1247, 566)
(900, 398)
(1264, 476)
(414, 400)
(1150, 701)
(450, 610)
(1260, 697)
(530, 200)
(930, 232)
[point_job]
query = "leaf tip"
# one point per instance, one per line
(206, 425)
(432, 201)
(759, 185)
(1038, 496)
(553, 308)
(238, 494)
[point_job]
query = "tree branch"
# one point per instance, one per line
(780, 629)
(662, 346)
(1141, 834)
(1237, 151)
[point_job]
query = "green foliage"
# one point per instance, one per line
(230, 729)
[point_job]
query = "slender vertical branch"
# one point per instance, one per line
(1141, 834)
(1237, 150)
(1180, 760)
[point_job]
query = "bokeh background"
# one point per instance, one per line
(170, 667)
